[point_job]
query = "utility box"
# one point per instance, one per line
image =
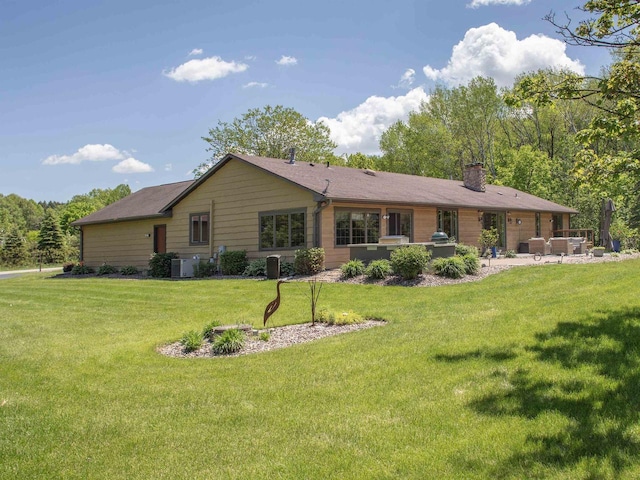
(273, 267)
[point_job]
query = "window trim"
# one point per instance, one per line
(400, 211)
(274, 213)
(351, 211)
(439, 227)
(208, 230)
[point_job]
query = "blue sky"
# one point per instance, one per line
(98, 93)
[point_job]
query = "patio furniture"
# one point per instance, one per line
(579, 245)
(539, 246)
(561, 245)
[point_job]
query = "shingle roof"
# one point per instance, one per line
(356, 185)
(145, 203)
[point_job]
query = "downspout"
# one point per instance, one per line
(317, 221)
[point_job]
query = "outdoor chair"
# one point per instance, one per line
(561, 245)
(539, 246)
(579, 245)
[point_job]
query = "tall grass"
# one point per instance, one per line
(532, 373)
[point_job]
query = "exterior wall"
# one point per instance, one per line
(119, 244)
(234, 196)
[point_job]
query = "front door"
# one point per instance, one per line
(160, 239)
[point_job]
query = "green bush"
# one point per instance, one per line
(264, 336)
(233, 262)
(107, 269)
(352, 268)
(378, 269)
(67, 267)
(207, 332)
(339, 318)
(450, 267)
(129, 270)
(160, 264)
(462, 250)
(309, 261)
(510, 254)
(81, 269)
(410, 261)
(204, 269)
(192, 341)
(256, 268)
(287, 269)
(471, 264)
(231, 341)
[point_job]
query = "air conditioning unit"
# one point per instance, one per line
(182, 267)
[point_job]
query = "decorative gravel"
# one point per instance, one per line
(279, 337)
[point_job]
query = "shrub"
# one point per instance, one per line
(67, 267)
(264, 336)
(510, 254)
(106, 269)
(129, 270)
(191, 341)
(471, 264)
(233, 262)
(341, 318)
(204, 269)
(378, 269)
(207, 332)
(410, 261)
(287, 269)
(352, 268)
(256, 268)
(160, 264)
(462, 250)
(451, 267)
(231, 341)
(81, 269)
(309, 261)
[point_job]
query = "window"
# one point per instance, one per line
(448, 222)
(556, 225)
(282, 230)
(199, 230)
(538, 225)
(496, 220)
(357, 227)
(399, 224)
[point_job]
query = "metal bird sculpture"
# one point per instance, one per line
(274, 304)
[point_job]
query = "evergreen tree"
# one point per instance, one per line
(14, 251)
(50, 239)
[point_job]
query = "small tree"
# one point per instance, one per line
(488, 238)
(50, 238)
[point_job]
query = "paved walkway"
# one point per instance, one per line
(16, 273)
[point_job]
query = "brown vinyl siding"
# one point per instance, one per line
(235, 196)
(118, 244)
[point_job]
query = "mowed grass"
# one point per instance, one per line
(531, 373)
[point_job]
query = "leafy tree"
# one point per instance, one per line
(269, 132)
(50, 239)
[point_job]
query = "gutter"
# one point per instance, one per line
(317, 223)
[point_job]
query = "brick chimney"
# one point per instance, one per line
(475, 177)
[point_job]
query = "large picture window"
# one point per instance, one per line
(354, 227)
(199, 230)
(496, 220)
(448, 222)
(282, 230)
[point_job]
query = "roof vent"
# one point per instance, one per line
(292, 156)
(368, 171)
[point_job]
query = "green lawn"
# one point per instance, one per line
(532, 373)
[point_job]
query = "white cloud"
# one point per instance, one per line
(210, 68)
(407, 79)
(131, 165)
(492, 51)
(483, 3)
(88, 153)
(287, 61)
(168, 167)
(195, 51)
(255, 85)
(359, 129)
(250, 58)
